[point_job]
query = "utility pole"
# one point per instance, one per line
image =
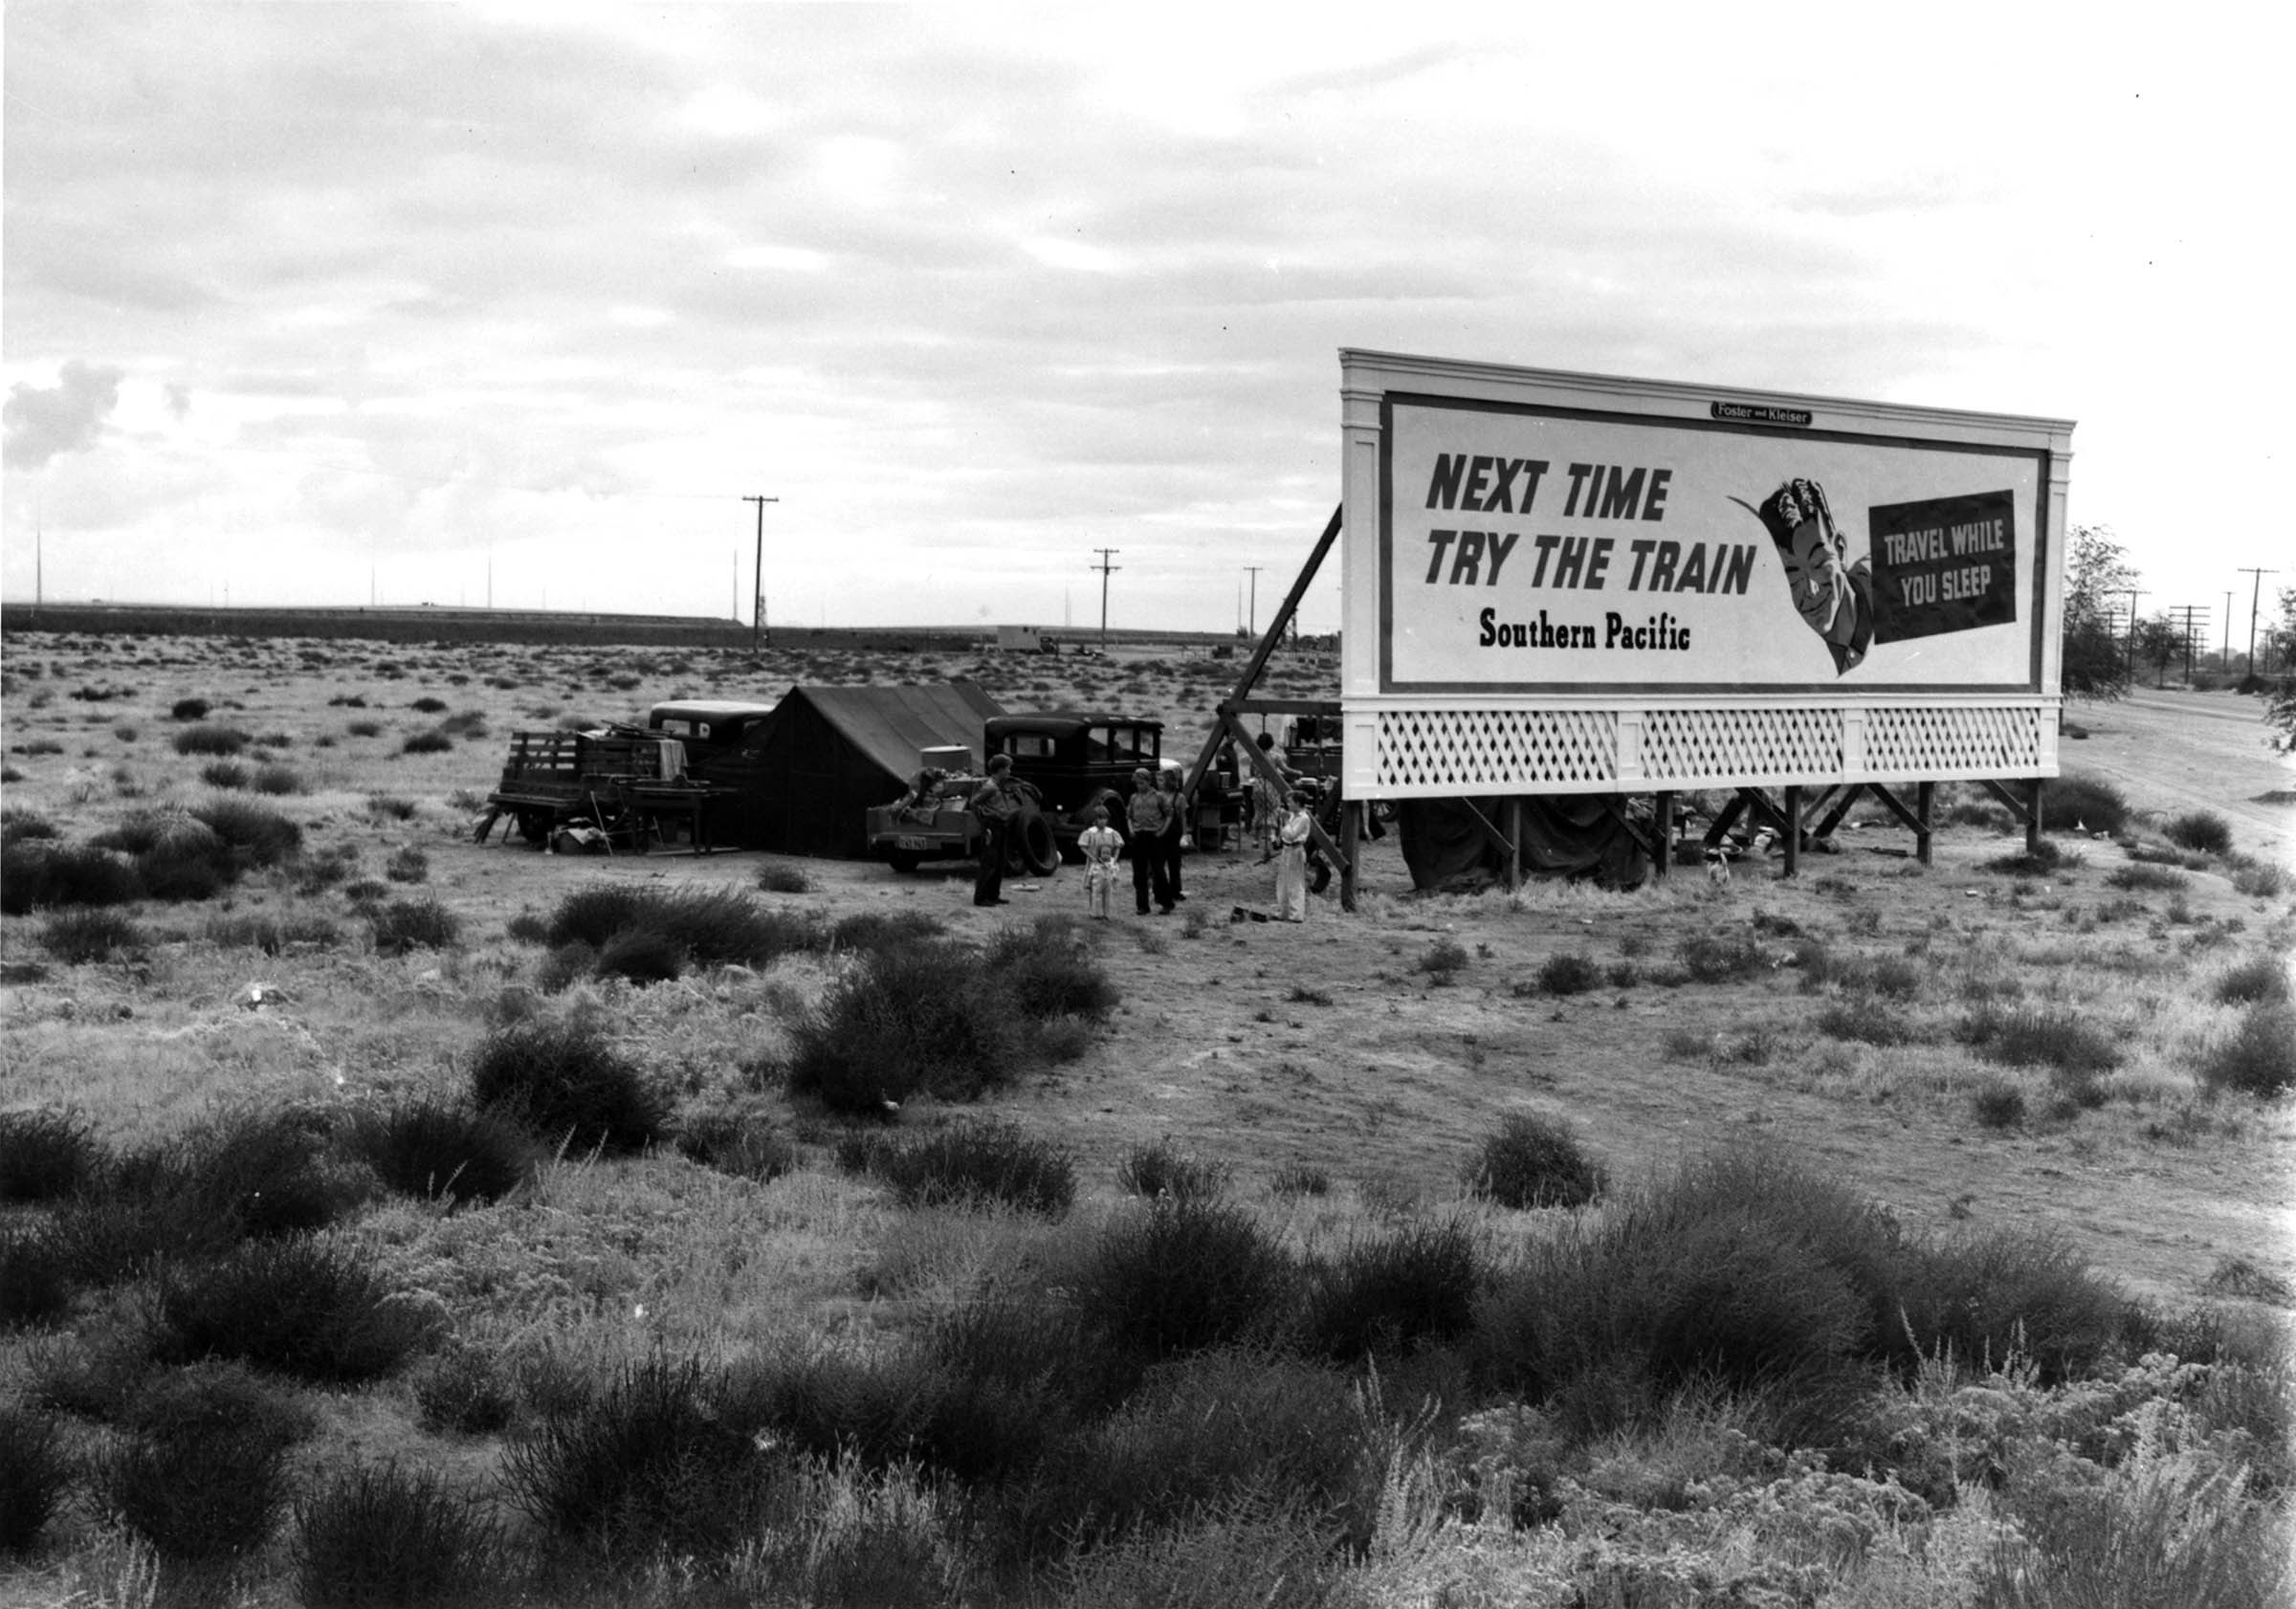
(1252, 621)
(2133, 595)
(757, 628)
(2192, 619)
(2255, 595)
(2224, 654)
(1104, 566)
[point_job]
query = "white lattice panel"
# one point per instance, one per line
(1953, 741)
(1679, 746)
(1421, 752)
(1486, 751)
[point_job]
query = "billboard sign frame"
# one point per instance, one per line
(1563, 582)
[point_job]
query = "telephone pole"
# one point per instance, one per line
(2224, 654)
(2133, 595)
(757, 628)
(1252, 626)
(2255, 595)
(2191, 620)
(1104, 566)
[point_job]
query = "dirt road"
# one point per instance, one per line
(2174, 751)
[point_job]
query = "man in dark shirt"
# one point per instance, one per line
(994, 804)
(1148, 812)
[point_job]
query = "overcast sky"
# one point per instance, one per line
(314, 302)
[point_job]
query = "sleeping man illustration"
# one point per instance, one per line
(1832, 594)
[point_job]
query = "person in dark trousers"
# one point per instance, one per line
(994, 804)
(1174, 834)
(1145, 813)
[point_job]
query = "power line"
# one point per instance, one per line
(757, 628)
(1104, 567)
(2255, 596)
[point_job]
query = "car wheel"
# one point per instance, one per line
(904, 861)
(1036, 844)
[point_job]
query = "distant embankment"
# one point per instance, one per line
(517, 626)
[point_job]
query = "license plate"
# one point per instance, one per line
(907, 842)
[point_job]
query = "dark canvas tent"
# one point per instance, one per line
(1562, 836)
(809, 773)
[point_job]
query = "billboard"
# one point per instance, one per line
(1531, 539)
(1527, 547)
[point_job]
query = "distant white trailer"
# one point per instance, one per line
(1021, 639)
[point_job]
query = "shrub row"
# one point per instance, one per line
(166, 855)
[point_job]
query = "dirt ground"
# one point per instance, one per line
(1326, 1045)
(1333, 1045)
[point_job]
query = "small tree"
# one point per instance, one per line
(2160, 644)
(2096, 573)
(2280, 698)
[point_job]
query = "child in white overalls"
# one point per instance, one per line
(1101, 844)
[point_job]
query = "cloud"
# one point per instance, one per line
(65, 418)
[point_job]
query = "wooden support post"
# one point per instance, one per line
(1661, 809)
(2033, 818)
(1725, 819)
(1793, 815)
(1351, 817)
(1833, 817)
(1257, 758)
(1512, 817)
(1277, 626)
(1924, 796)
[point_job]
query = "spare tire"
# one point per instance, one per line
(1034, 844)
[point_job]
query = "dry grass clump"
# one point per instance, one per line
(36, 1474)
(1534, 1162)
(938, 1017)
(1181, 1275)
(382, 1534)
(2259, 1056)
(47, 1155)
(405, 925)
(2055, 1037)
(296, 1306)
(562, 1084)
(81, 938)
(222, 741)
(981, 1163)
(1388, 1294)
(2081, 803)
(438, 1148)
(651, 935)
(1162, 1168)
(2203, 832)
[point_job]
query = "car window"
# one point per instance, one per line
(1028, 745)
(679, 728)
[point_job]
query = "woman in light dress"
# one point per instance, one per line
(1100, 844)
(1291, 862)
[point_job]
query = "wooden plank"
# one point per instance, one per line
(1284, 706)
(1260, 654)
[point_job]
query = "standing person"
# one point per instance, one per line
(994, 804)
(1292, 862)
(1176, 831)
(1268, 799)
(1146, 812)
(1101, 844)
